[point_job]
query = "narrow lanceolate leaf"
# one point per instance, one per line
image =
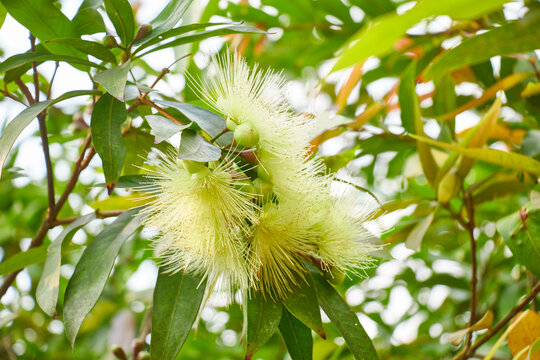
(235, 29)
(114, 80)
(303, 304)
(44, 20)
(121, 15)
(211, 123)
(521, 232)
(48, 286)
(263, 317)
(106, 124)
(3, 13)
(415, 237)
(194, 147)
(412, 121)
(297, 337)
(92, 271)
(515, 37)
(164, 128)
(177, 299)
(168, 17)
(23, 259)
(498, 157)
(22, 59)
(20, 122)
(345, 320)
(93, 48)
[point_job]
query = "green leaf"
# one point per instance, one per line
(378, 37)
(521, 232)
(412, 121)
(345, 320)
(92, 271)
(121, 15)
(152, 40)
(177, 299)
(263, 317)
(168, 17)
(498, 157)
(22, 59)
(93, 48)
(163, 127)
(297, 337)
(23, 259)
(211, 123)
(3, 13)
(512, 38)
(235, 29)
(20, 122)
(44, 20)
(106, 125)
(114, 80)
(194, 147)
(88, 20)
(303, 304)
(48, 286)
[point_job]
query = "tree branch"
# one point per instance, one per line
(470, 228)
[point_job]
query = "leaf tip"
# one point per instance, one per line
(110, 188)
(322, 333)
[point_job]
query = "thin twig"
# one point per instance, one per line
(138, 346)
(470, 228)
(99, 215)
(501, 324)
(161, 111)
(26, 92)
(48, 164)
(219, 135)
(11, 96)
(56, 65)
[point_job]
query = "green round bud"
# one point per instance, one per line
(263, 173)
(144, 355)
(246, 136)
(201, 174)
(192, 166)
(245, 186)
(231, 124)
(110, 42)
(263, 188)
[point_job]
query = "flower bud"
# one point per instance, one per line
(143, 32)
(231, 124)
(245, 135)
(448, 187)
(192, 166)
(110, 42)
(201, 174)
(144, 355)
(334, 276)
(263, 173)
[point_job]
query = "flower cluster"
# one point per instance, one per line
(252, 226)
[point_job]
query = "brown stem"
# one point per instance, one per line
(25, 91)
(48, 164)
(138, 346)
(11, 96)
(52, 80)
(501, 324)
(470, 228)
(161, 111)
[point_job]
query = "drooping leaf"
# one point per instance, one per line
(345, 320)
(88, 20)
(263, 318)
(303, 304)
(106, 125)
(521, 233)
(512, 38)
(177, 299)
(18, 60)
(21, 121)
(163, 127)
(211, 123)
(378, 37)
(194, 147)
(92, 271)
(121, 15)
(48, 286)
(235, 29)
(498, 157)
(23, 259)
(297, 337)
(44, 20)
(415, 237)
(114, 80)
(93, 48)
